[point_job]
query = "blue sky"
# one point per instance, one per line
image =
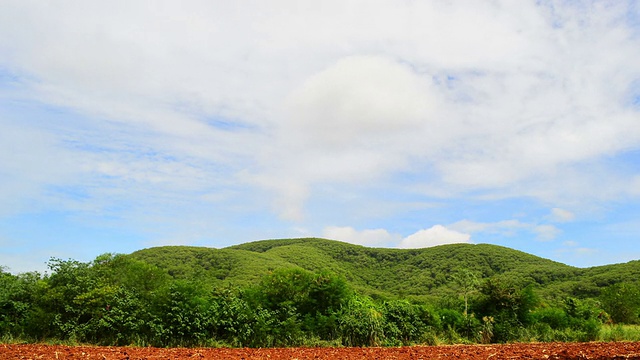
(381, 123)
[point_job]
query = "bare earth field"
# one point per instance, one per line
(609, 350)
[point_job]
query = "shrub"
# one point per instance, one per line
(361, 322)
(622, 303)
(404, 321)
(556, 318)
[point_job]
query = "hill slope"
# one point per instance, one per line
(381, 271)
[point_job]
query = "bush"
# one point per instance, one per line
(509, 305)
(622, 303)
(404, 322)
(450, 319)
(302, 302)
(232, 320)
(555, 318)
(619, 332)
(361, 322)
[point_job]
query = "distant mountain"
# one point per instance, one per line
(381, 272)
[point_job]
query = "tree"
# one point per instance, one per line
(622, 302)
(466, 282)
(17, 293)
(303, 300)
(508, 304)
(361, 322)
(181, 309)
(66, 297)
(234, 320)
(406, 322)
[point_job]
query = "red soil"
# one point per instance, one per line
(610, 350)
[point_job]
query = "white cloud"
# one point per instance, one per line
(30, 161)
(507, 227)
(369, 237)
(433, 236)
(292, 195)
(490, 94)
(354, 121)
(544, 232)
(362, 102)
(562, 215)
(169, 103)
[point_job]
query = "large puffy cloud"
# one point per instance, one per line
(368, 237)
(354, 121)
(362, 102)
(459, 232)
(433, 236)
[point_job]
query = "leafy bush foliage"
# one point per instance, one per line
(509, 305)
(622, 302)
(361, 322)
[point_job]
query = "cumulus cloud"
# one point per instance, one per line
(368, 237)
(562, 215)
(360, 101)
(357, 119)
(433, 236)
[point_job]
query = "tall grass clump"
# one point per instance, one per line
(619, 332)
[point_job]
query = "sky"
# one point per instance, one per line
(403, 124)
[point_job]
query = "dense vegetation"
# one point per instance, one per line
(317, 292)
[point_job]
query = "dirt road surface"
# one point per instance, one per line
(594, 350)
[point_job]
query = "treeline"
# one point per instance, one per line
(422, 275)
(117, 300)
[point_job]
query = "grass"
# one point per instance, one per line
(619, 333)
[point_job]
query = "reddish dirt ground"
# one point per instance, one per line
(610, 350)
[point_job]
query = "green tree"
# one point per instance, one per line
(66, 297)
(17, 295)
(302, 301)
(466, 282)
(406, 322)
(124, 320)
(361, 322)
(181, 309)
(508, 304)
(233, 320)
(622, 302)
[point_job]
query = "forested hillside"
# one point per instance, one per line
(317, 292)
(390, 273)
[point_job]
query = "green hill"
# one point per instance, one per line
(383, 272)
(300, 292)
